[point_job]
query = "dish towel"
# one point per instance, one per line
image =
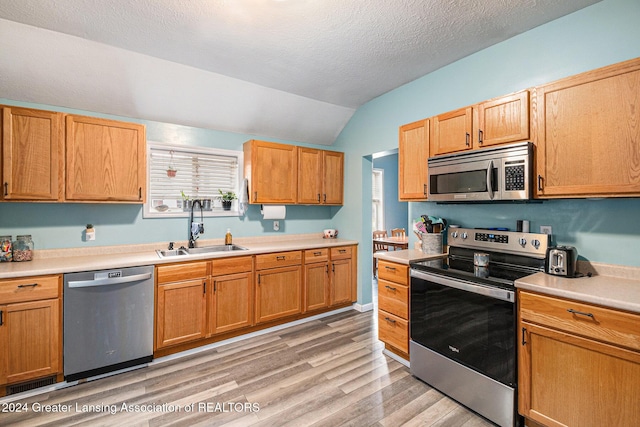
(243, 200)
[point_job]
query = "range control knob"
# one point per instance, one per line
(464, 235)
(535, 243)
(454, 234)
(522, 241)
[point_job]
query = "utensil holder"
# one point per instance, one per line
(432, 243)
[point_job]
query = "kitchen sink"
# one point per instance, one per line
(215, 248)
(171, 252)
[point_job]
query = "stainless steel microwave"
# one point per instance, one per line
(494, 173)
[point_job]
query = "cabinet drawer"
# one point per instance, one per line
(393, 331)
(183, 271)
(30, 289)
(278, 259)
(393, 298)
(394, 272)
(341, 252)
(222, 266)
(316, 255)
(599, 323)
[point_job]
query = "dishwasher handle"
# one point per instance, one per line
(109, 281)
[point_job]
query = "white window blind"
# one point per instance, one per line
(200, 173)
(377, 219)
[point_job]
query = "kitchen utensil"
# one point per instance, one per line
(561, 261)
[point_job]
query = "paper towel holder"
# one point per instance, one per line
(273, 211)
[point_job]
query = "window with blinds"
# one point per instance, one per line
(377, 218)
(178, 175)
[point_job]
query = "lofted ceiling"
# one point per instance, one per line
(288, 69)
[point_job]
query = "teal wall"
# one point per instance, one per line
(58, 225)
(603, 230)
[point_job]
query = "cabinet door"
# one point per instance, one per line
(333, 178)
(413, 152)
(278, 293)
(272, 170)
(316, 286)
(309, 176)
(452, 132)
(181, 312)
(565, 380)
(588, 137)
(231, 302)
(30, 340)
(503, 120)
(341, 277)
(31, 154)
(105, 160)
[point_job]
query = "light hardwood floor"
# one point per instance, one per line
(327, 372)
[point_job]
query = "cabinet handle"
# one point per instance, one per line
(524, 331)
(390, 288)
(255, 196)
(325, 198)
(342, 251)
(467, 137)
(480, 135)
(318, 197)
(281, 258)
(6, 188)
(258, 280)
(32, 285)
(317, 253)
(540, 182)
(1, 322)
(204, 287)
(333, 267)
(139, 193)
(390, 268)
(580, 313)
(214, 286)
(326, 268)
(390, 320)
(424, 189)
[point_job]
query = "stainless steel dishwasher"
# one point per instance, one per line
(108, 321)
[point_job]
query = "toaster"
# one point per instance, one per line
(561, 261)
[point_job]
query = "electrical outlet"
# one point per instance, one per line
(276, 225)
(546, 229)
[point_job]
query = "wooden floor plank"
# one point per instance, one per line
(326, 372)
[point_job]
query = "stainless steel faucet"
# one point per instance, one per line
(195, 229)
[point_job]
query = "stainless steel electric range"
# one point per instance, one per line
(463, 318)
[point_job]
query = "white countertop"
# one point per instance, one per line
(107, 257)
(609, 286)
(406, 256)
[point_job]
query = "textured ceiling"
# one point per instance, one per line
(265, 67)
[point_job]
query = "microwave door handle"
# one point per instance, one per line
(490, 180)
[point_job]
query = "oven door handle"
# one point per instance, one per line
(497, 293)
(490, 179)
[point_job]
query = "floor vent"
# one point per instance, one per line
(19, 388)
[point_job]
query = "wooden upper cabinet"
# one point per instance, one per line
(503, 120)
(105, 160)
(413, 153)
(320, 177)
(496, 121)
(452, 131)
(272, 171)
(588, 133)
(32, 146)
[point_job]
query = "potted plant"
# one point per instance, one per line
(186, 203)
(227, 197)
(171, 170)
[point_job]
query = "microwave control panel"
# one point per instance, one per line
(514, 175)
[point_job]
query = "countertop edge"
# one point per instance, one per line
(406, 256)
(48, 266)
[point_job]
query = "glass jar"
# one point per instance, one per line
(23, 248)
(5, 248)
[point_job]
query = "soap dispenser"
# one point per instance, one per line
(227, 237)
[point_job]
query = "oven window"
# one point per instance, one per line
(474, 181)
(474, 330)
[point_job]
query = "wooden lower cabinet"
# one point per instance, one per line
(578, 367)
(181, 303)
(278, 293)
(30, 329)
(393, 307)
(231, 299)
(316, 279)
(343, 275)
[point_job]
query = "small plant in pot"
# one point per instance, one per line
(227, 198)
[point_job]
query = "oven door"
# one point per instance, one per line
(469, 323)
(475, 180)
